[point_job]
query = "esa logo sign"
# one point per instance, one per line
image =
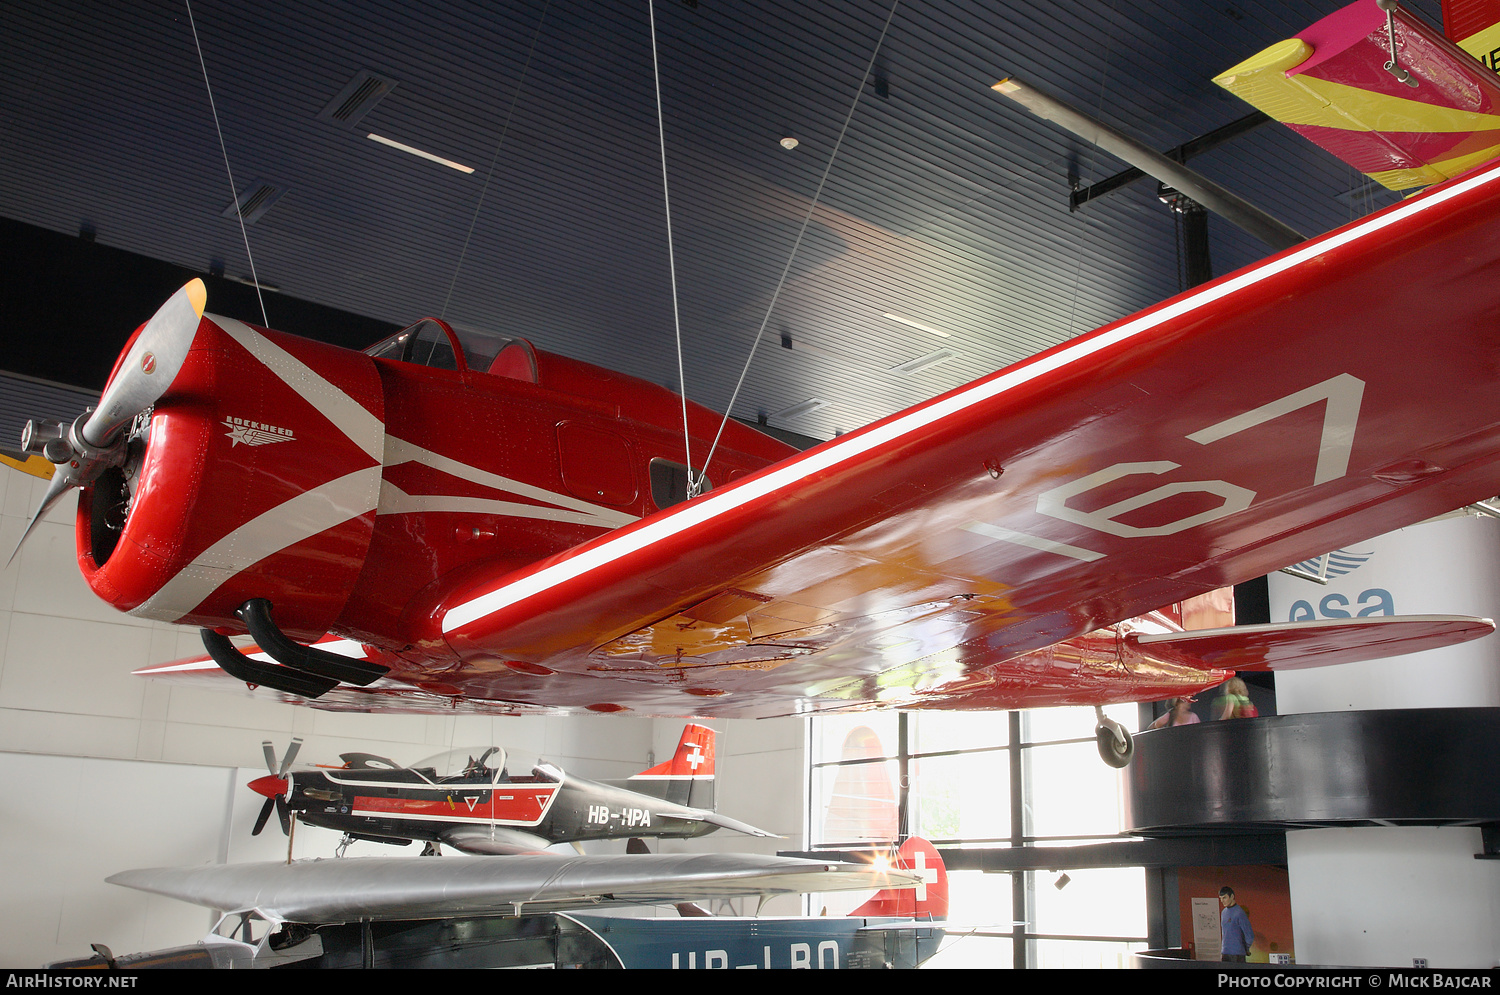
(1375, 601)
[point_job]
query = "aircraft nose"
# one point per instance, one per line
(269, 785)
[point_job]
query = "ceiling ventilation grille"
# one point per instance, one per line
(357, 98)
(255, 200)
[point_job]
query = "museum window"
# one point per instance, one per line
(970, 781)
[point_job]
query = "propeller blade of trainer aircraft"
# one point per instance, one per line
(291, 755)
(264, 817)
(270, 753)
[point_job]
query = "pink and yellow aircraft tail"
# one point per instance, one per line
(1426, 115)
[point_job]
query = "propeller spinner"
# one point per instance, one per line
(95, 441)
(275, 787)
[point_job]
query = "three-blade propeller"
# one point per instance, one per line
(275, 787)
(96, 440)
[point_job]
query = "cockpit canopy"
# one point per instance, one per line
(436, 344)
(473, 763)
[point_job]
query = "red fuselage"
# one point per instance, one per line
(354, 491)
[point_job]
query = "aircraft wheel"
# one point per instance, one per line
(1116, 746)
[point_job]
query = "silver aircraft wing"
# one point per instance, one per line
(715, 819)
(344, 890)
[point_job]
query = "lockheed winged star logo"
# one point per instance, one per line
(255, 433)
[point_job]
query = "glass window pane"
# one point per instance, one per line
(1070, 791)
(854, 737)
(933, 732)
(854, 803)
(979, 899)
(1043, 725)
(1101, 901)
(1082, 953)
(981, 902)
(971, 952)
(431, 347)
(966, 796)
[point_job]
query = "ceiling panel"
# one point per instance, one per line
(945, 204)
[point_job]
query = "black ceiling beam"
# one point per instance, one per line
(1205, 850)
(1182, 153)
(68, 305)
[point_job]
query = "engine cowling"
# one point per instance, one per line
(256, 475)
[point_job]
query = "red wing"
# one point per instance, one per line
(1336, 391)
(1319, 643)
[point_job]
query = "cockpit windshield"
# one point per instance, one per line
(427, 343)
(470, 764)
(437, 344)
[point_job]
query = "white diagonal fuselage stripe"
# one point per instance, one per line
(400, 451)
(292, 521)
(852, 447)
(363, 429)
(395, 501)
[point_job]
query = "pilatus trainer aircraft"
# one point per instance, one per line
(469, 800)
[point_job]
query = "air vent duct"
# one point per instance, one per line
(256, 199)
(357, 98)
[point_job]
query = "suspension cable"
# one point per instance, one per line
(490, 174)
(661, 130)
(233, 190)
(806, 220)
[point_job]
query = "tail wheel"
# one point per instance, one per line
(1116, 746)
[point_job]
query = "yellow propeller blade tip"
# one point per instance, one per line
(197, 295)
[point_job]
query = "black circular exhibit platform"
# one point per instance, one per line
(1434, 766)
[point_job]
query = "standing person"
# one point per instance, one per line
(1234, 703)
(1234, 928)
(1179, 713)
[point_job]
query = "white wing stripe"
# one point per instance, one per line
(851, 447)
(1033, 542)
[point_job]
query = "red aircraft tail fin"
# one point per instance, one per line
(688, 778)
(929, 900)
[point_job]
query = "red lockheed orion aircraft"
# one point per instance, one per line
(506, 530)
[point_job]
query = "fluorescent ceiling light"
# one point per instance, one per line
(425, 155)
(927, 362)
(801, 408)
(907, 321)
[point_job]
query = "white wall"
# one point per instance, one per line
(1402, 893)
(1445, 567)
(1375, 896)
(101, 771)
